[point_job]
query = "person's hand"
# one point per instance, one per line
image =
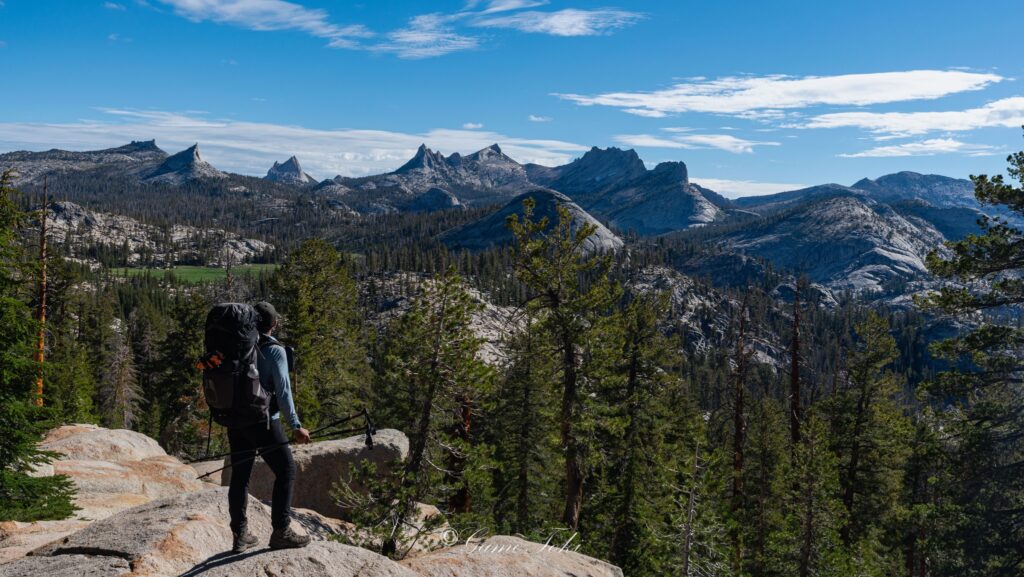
(300, 436)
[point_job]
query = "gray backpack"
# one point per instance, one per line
(231, 381)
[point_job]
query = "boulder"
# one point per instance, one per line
(319, 559)
(504, 556)
(106, 487)
(66, 566)
(319, 466)
(115, 469)
(92, 443)
(166, 536)
(17, 539)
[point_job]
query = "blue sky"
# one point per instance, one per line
(755, 97)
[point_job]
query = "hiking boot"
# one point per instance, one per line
(244, 540)
(287, 539)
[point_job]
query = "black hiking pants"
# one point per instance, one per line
(244, 443)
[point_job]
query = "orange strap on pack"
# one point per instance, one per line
(210, 361)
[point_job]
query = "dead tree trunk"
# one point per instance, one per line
(739, 433)
(41, 313)
(794, 375)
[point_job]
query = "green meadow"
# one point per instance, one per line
(196, 274)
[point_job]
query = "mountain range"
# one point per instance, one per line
(864, 236)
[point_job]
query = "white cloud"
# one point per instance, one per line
(426, 36)
(738, 188)
(114, 6)
(270, 15)
(473, 125)
(508, 5)
(1007, 112)
(725, 142)
(771, 95)
(930, 147)
(567, 22)
(251, 147)
(536, 118)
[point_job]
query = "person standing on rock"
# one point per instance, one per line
(245, 441)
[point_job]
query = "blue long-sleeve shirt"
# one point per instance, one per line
(273, 367)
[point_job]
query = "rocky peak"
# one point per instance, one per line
(425, 159)
(183, 166)
(492, 155)
(136, 146)
(289, 172)
(672, 170)
(600, 169)
(184, 159)
(628, 161)
(492, 151)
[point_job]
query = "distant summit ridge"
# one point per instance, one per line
(136, 146)
(940, 191)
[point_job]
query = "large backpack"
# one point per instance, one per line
(231, 380)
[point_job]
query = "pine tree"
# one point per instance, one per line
(870, 435)
(318, 299)
(119, 388)
(983, 434)
(700, 532)
(741, 365)
(23, 497)
(805, 540)
(569, 290)
(524, 432)
(177, 385)
(641, 460)
(769, 452)
(430, 369)
(71, 384)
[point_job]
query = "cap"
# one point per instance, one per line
(268, 314)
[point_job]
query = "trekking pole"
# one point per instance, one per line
(321, 433)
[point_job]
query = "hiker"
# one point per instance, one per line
(272, 365)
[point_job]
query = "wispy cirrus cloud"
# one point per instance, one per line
(426, 36)
(251, 147)
(538, 118)
(930, 147)
(495, 6)
(114, 6)
(267, 15)
(761, 95)
(1007, 113)
(473, 125)
(684, 140)
(566, 22)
